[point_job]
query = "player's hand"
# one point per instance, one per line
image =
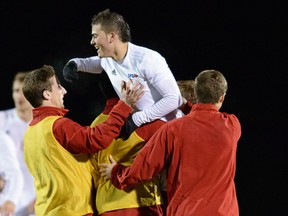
(130, 93)
(70, 73)
(7, 208)
(106, 169)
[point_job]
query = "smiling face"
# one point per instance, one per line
(102, 41)
(57, 93)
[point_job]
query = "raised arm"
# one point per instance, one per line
(73, 66)
(78, 139)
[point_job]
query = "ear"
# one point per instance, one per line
(112, 37)
(222, 97)
(46, 94)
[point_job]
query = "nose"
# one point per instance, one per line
(17, 94)
(64, 90)
(92, 42)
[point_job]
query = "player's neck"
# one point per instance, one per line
(121, 51)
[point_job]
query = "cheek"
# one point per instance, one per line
(102, 42)
(97, 40)
(16, 95)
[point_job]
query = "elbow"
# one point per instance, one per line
(175, 100)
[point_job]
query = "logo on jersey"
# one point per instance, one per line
(113, 72)
(132, 76)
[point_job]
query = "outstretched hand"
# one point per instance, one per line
(70, 73)
(106, 169)
(131, 93)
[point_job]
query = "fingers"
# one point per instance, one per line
(123, 85)
(106, 169)
(129, 84)
(137, 90)
(131, 93)
(112, 159)
(137, 86)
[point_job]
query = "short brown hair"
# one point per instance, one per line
(112, 21)
(210, 85)
(36, 82)
(187, 89)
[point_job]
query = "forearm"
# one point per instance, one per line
(78, 139)
(147, 164)
(119, 177)
(90, 65)
(161, 108)
(170, 98)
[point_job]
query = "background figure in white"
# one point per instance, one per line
(14, 122)
(11, 173)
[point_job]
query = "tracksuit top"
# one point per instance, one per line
(199, 153)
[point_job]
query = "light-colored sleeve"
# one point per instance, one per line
(161, 78)
(10, 170)
(89, 65)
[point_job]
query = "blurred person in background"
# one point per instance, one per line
(2, 183)
(11, 176)
(14, 122)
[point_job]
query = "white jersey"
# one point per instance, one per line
(10, 171)
(162, 96)
(16, 127)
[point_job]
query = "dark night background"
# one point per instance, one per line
(245, 40)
